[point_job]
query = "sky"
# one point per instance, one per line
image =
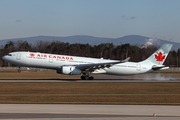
(100, 18)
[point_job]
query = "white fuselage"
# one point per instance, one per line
(53, 61)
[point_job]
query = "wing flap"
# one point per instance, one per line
(94, 66)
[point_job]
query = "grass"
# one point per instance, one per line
(87, 92)
(167, 93)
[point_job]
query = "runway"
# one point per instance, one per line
(88, 112)
(59, 80)
(96, 80)
(99, 78)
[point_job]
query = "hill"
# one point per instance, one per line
(84, 39)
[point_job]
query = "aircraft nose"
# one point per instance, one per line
(4, 57)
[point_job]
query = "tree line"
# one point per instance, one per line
(104, 50)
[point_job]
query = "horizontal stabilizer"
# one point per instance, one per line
(159, 67)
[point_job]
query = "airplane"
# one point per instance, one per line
(74, 65)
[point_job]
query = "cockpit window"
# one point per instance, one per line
(9, 54)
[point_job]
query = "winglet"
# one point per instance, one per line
(126, 60)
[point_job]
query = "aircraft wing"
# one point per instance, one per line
(92, 67)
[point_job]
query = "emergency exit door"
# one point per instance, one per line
(138, 67)
(18, 57)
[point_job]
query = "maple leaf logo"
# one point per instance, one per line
(32, 54)
(160, 57)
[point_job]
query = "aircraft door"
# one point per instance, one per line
(50, 60)
(138, 67)
(18, 57)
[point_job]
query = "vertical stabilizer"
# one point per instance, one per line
(158, 57)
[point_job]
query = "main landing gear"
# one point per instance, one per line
(86, 76)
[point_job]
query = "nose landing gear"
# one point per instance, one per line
(19, 69)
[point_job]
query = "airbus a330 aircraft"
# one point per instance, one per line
(73, 65)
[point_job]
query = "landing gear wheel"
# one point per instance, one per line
(91, 78)
(87, 77)
(82, 77)
(19, 70)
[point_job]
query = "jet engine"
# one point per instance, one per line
(68, 70)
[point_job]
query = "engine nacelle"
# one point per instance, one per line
(68, 70)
